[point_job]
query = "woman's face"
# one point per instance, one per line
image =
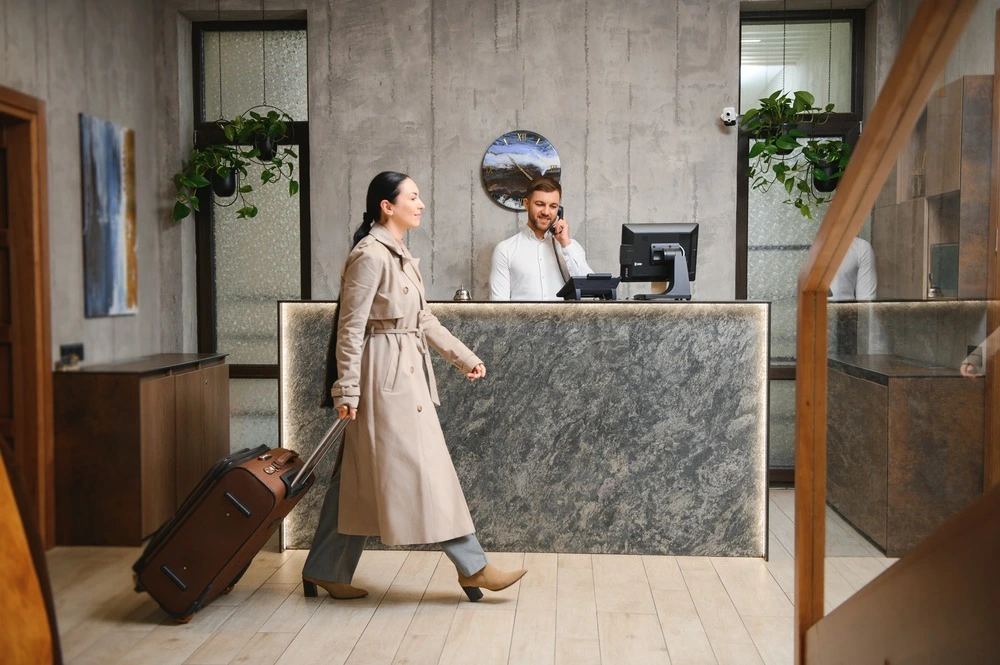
(406, 210)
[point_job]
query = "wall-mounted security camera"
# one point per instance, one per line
(728, 116)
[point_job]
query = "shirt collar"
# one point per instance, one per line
(529, 233)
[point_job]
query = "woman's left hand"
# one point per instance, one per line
(478, 372)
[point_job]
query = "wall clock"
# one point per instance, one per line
(512, 161)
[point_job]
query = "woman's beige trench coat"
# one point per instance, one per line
(397, 478)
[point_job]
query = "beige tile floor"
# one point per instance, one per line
(572, 609)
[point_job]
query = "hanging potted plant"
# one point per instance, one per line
(264, 132)
(774, 127)
(224, 167)
(827, 161)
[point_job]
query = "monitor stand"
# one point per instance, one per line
(680, 286)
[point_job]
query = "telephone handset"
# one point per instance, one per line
(559, 216)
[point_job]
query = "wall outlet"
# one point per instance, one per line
(66, 350)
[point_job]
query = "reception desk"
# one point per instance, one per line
(604, 427)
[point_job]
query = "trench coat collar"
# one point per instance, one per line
(382, 234)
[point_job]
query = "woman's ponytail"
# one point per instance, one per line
(367, 221)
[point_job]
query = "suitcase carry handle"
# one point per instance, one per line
(298, 482)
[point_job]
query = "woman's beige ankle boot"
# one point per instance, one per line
(491, 578)
(335, 589)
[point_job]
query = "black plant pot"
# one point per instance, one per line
(267, 147)
(223, 187)
(785, 128)
(828, 168)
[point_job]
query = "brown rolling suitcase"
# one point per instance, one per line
(206, 547)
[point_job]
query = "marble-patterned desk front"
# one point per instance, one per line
(629, 427)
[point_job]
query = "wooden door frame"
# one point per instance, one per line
(22, 119)
(991, 452)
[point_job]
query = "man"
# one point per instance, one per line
(526, 266)
(855, 278)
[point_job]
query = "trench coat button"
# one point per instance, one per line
(406, 289)
(419, 408)
(411, 369)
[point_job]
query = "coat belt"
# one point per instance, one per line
(431, 382)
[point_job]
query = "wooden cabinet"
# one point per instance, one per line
(904, 446)
(132, 439)
(932, 217)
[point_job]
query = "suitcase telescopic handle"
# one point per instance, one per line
(317, 455)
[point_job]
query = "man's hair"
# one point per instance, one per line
(543, 184)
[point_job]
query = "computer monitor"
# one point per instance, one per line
(660, 253)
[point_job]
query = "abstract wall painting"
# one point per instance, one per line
(109, 259)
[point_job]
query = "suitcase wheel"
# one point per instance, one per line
(183, 620)
(227, 590)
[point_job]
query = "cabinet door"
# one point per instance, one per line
(157, 457)
(202, 421)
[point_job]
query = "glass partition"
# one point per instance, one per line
(906, 392)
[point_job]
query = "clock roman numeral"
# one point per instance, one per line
(521, 136)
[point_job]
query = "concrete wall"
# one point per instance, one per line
(630, 98)
(94, 57)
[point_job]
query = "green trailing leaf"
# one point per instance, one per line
(180, 211)
(245, 189)
(293, 187)
(786, 142)
(265, 175)
(199, 181)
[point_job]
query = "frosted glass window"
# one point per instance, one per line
(778, 243)
(808, 64)
(257, 263)
(253, 413)
(781, 433)
(244, 56)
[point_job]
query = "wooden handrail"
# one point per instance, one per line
(937, 605)
(922, 56)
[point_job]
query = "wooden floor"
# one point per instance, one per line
(572, 609)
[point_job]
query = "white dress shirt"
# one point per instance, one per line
(526, 268)
(856, 278)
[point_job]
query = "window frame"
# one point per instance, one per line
(846, 125)
(208, 133)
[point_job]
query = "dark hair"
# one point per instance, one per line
(383, 187)
(543, 184)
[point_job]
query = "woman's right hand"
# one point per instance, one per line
(344, 412)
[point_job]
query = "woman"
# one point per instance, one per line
(395, 477)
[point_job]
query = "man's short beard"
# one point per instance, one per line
(533, 223)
